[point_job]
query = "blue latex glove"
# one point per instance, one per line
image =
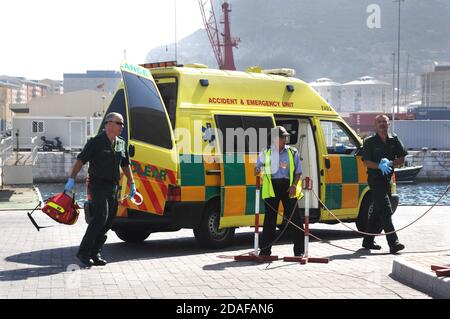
(385, 166)
(69, 185)
(132, 190)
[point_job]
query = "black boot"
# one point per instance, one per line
(97, 257)
(396, 247)
(98, 260)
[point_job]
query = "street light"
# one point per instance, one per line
(398, 54)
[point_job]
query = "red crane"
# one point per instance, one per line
(223, 50)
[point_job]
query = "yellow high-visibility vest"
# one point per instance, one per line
(267, 187)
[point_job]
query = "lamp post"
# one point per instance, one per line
(398, 53)
(393, 94)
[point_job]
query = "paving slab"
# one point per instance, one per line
(172, 265)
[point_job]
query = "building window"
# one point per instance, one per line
(37, 127)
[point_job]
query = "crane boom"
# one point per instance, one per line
(224, 57)
(211, 29)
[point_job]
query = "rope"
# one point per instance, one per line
(289, 221)
(382, 234)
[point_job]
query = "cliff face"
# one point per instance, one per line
(326, 37)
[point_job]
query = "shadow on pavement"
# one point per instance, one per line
(5, 195)
(57, 260)
(245, 240)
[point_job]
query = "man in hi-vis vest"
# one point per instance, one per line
(282, 171)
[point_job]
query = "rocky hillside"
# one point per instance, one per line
(327, 37)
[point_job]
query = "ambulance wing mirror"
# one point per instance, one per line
(131, 150)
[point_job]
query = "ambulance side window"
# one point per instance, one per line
(148, 121)
(338, 139)
(244, 134)
(118, 105)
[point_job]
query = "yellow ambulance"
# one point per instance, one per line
(175, 117)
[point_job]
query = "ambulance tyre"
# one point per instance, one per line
(208, 233)
(132, 234)
(365, 210)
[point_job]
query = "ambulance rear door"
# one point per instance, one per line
(152, 148)
(241, 138)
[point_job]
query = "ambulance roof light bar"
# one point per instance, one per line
(282, 71)
(155, 65)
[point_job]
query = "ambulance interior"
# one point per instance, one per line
(302, 138)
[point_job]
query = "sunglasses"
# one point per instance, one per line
(118, 123)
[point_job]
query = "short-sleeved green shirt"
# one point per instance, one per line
(374, 149)
(104, 158)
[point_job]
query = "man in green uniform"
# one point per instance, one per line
(105, 153)
(381, 152)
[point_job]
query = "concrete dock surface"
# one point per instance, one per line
(171, 265)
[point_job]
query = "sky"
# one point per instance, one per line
(46, 38)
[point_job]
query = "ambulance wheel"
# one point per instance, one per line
(365, 210)
(132, 235)
(208, 233)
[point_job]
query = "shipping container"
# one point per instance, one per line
(430, 134)
(431, 113)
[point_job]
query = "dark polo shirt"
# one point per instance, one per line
(374, 149)
(104, 159)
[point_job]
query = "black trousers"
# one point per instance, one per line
(381, 216)
(103, 209)
(280, 187)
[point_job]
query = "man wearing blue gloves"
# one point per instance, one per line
(381, 153)
(105, 153)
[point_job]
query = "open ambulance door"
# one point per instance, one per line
(241, 138)
(151, 143)
(345, 174)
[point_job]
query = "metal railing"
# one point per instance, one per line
(34, 150)
(6, 150)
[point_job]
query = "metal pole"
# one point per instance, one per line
(307, 187)
(398, 55)
(176, 48)
(393, 93)
(258, 187)
(307, 192)
(406, 82)
(17, 145)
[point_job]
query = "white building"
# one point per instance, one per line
(436, 86)
(330, 91)
(7, 92)
(84, 103)
(102, 81)
(54, 87)
(366, 94)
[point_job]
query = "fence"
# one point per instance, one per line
(16, 166)
(6, 150)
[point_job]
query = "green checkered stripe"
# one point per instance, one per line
(349, 169)
(334, 195)
(250, 201)
(192, 173)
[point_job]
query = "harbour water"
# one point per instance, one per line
(410, 194)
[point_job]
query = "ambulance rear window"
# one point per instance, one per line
(148, 121)
(168, 88)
